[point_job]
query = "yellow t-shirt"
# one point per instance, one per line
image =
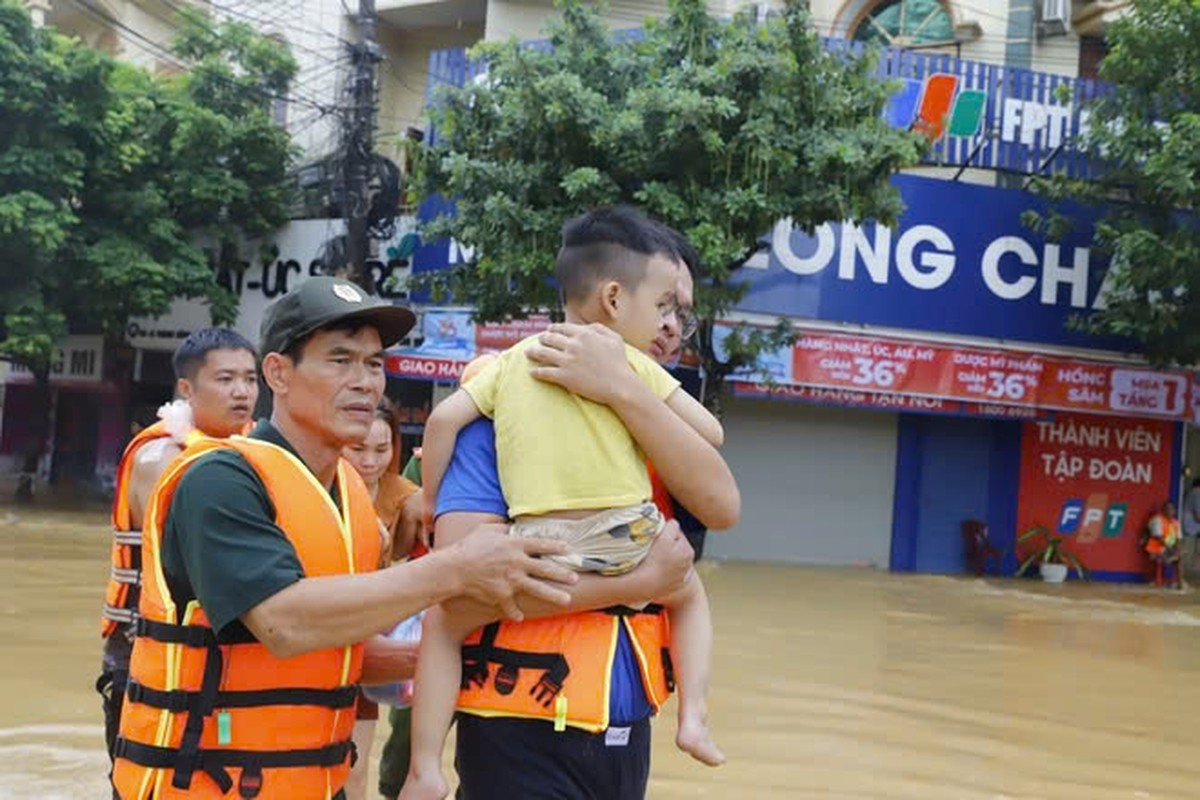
(555, 450)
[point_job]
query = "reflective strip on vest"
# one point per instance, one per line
(128, 538)
(121, 616)
(129, 577)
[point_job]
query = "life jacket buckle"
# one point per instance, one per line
(506, 679)
(551, 682)
(250, 783)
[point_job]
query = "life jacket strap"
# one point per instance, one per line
(180, 700)
(215, 762)
(186, 635)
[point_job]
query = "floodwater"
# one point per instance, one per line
(827, 683)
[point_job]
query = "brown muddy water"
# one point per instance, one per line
(827, 683)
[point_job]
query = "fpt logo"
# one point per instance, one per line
(937, 106)
(1092, 518)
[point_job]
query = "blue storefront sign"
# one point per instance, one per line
(959, 261)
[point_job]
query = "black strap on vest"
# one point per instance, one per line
(477, 657)
(214, 763)
(180, 700)
(651, 609)
(555, 668)
(188, 635)
(187, 759)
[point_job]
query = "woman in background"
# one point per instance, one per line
(377, 460)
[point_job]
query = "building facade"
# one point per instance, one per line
(937, 379)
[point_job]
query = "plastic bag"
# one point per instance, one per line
(397, 694)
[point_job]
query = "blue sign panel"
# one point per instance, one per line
(960, 261)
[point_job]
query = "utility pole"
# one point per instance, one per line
(359, 144)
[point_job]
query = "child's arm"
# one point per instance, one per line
(441, 432)
(693, 412)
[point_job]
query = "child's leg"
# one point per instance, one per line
(435, 694)
(691, 654)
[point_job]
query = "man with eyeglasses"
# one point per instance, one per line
(500, 755)
(667, 349)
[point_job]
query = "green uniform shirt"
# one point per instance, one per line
(221, 544)
(412, 470)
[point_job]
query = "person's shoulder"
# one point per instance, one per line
(639, 359)
(220, 480)
(217, 469)
(156, 454)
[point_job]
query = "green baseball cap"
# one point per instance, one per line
(320, 301)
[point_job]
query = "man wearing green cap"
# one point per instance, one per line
(253, 616)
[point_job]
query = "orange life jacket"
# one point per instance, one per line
(560, 668)
(201, 717)
(124, 580)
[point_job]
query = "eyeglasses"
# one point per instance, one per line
(688, 324)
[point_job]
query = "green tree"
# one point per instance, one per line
(717, 127)
(1142, 141)
(111, 177)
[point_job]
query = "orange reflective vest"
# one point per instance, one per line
(201, 716)
(560, 668)
(124, 580)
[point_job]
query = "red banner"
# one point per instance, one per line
(1095, 481)
(430, 369)
(880, 400)
(870, 364)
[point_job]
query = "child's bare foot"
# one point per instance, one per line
(694, 739)
(421, 787)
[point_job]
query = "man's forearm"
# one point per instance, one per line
(692, 469)
(335, 611)
(592, 593)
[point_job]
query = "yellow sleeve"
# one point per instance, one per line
(658, 379)
(484, 387)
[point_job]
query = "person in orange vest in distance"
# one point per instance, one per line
(262, 600)
(618, 263)
(216, 381)
(1161, 540)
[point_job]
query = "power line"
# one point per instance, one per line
(151, 47)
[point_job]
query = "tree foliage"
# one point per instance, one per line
(1142, 139)
(717, 127)
(111, 177)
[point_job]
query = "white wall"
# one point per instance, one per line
(404, 73)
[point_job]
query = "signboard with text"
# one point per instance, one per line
(960, 260)
(1095, 481)
(298, 247)
(973, 375)
(451, 339)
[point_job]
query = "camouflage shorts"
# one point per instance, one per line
(609, 542)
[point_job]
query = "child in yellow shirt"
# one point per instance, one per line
(570, 470)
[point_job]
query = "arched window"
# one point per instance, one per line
(905, 23)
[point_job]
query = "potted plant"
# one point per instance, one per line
(1054, 560)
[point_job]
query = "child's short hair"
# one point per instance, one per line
(611, 243)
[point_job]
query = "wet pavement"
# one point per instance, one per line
(827, 683)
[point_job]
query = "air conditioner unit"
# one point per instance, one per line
(1056, 18)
